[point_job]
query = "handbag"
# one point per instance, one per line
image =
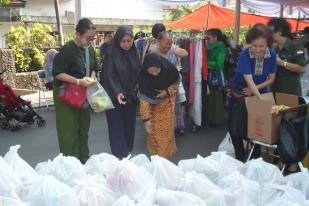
(233, 90)
(293, 142)
(215, 79)
(74, 95)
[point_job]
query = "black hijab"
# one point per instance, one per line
(120, 67)
(148, 84)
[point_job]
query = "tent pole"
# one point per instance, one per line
(237, 22)
(297, 21)
(281, 10)
(209, 4)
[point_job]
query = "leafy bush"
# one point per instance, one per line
(28, 46)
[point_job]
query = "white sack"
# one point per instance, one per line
(94, 191)
(166, 173)
(101, 163)
(48, 191)
(20, 166)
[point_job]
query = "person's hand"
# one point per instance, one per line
(279, 61)
(147, 125)
(247, 92)
(83, 83)
(121, 99)
(161, 93)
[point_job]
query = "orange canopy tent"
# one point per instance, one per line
(212, 16)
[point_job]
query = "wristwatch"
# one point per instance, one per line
(285, 63)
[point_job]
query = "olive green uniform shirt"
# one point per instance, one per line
(71, 60)
(287, 81)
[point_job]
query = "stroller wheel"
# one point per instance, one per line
(31, 122)
(41, 122)
(15, 128)
(5, 125)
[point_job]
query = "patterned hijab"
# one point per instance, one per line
(149, 84)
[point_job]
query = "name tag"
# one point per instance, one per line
(300, 52)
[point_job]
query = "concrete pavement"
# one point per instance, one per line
(40, 143)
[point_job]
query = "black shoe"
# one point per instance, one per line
(194, 129)
(181, 132)
(177, 133)
(83, 160)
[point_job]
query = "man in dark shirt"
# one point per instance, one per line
(104, 47)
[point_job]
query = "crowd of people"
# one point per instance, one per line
(152, 83)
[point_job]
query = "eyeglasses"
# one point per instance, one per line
(90, 38)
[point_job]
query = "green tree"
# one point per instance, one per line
(242, 34)
(5, 2)
(181, 11)
(40, 36)
(28, 46)
(17, 39)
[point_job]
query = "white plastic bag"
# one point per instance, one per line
(166, 173)
(235, 181)
(9, 180)
(261, 171)
(141, 160)
(124, 201)
(197, 184)
(20, 166)
(68, 169)
(98, 98)
(300, 181)
(48, 191)
(226, 162)
(271, 192)
(226, 145)
(165, 197)
(132, 180)
(9, 201)
(94, 191)
(101, 164)
(279, 202)
(45, 168)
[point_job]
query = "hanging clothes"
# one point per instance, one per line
(196, 107)
(191, 72)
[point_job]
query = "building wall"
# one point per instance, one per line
(46, 7)
(122, 9)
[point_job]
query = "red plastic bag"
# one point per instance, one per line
(74, 95)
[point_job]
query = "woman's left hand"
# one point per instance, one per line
(161, 93)
(247, 92)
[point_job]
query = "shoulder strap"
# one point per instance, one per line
(87, 62)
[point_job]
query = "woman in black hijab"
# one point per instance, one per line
(120, 73)
(158, 83)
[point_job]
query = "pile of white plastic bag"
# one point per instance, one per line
(216, 180)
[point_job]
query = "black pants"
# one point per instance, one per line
(237, 126)
(121, 129)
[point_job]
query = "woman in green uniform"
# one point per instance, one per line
(290, 59)
(216, 52)
(291, 63)
(75, 60)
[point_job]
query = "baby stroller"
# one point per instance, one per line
(16, 109)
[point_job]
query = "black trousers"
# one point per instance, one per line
(237, 127)
(121, 129)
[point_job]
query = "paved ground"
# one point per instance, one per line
(40, 144)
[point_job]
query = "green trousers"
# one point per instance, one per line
(215, 107)
(72, 128)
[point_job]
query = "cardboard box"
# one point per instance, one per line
(263, 126)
